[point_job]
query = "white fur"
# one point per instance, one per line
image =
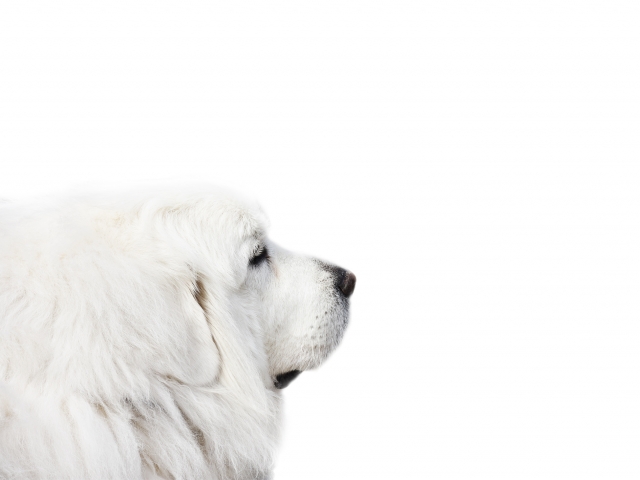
(136, 341)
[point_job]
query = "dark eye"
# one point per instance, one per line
(260, 255)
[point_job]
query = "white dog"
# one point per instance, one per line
(147, 336)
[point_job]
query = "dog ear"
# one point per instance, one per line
(243, 362)
(191, 355)
(202, 365)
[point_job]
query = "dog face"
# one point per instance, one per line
(304, 305)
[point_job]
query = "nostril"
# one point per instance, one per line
(343, 280)
(348, 284)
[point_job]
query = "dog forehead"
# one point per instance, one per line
(226, 209)
(243, 214)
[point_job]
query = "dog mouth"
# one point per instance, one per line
(284, 379)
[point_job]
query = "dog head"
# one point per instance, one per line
(297, 306)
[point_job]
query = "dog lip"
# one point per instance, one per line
(284, 379)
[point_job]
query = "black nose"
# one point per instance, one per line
(345, 281)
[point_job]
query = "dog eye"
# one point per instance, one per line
(260, 255)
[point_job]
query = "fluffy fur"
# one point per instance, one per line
(137, 340)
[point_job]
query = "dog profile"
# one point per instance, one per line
(148, 335)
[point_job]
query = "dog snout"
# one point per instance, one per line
(345, 281)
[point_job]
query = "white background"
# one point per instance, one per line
(475, 163)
